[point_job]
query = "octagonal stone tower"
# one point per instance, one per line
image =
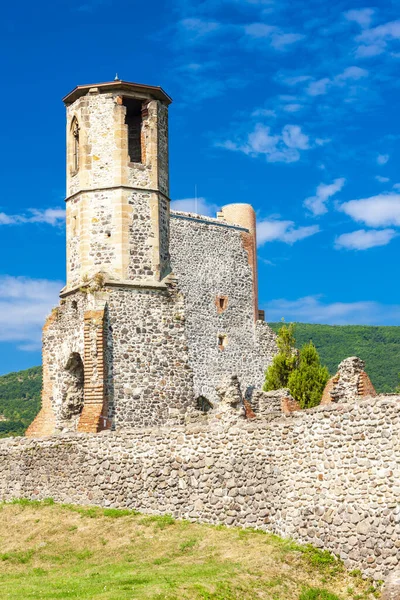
(117, 182)
(115, 350)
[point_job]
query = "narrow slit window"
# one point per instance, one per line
(133, 120)
(75, 146)
(222, 341)
(221, 303)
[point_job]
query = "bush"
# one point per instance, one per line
(301, 372)
(284, 362)
(307, 382)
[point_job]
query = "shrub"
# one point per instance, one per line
(284, 362)
(301, 372)
(307, 382)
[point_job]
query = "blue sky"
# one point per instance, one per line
(291, 107)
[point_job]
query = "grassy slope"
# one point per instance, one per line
(54, 552)
(378, 346)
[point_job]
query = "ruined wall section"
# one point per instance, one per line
(149, 378)
(327, 476)
(213, 272)
(63, 335)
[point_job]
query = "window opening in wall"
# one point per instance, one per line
(221, 303)
(203, 404)
(75, 145)
(133, 120)
(74, 304)
(222, 341)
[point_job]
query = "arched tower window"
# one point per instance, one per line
(75, 145)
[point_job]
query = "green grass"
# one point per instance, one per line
(51, 551)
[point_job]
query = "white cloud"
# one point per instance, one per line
(263, 112)
(374, 41)
(293, 137)
(198, 206)
(382, 179)
(51, 216)
(274, 230)
(363, 240)
(291, 108)
(295, 80)
(283, 147)
(382, 159)
(321, 87)
(317, 204)
(352, 73)
(198, 28)
(382, 210)
(361, 16)
(24, 305)
(277, 38)
(312, 309)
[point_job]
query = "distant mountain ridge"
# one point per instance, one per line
(379, 347)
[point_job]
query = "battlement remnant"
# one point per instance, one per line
(350, 383)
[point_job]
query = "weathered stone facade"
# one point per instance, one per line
(329, 475)
(158, 309)
(212, 266)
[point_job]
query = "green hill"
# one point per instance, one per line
(379, 347)
(19, 400)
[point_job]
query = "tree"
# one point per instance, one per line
(307, 381)
(284, 362)
(301, 372)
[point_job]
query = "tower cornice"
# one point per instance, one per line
(155, 92)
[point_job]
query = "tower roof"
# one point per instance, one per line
(110, 86)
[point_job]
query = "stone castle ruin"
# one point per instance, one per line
(159, 306)
(154, 360)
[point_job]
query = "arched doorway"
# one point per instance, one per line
(73, 397)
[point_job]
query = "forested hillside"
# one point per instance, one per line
(379, 347)
(19, 400)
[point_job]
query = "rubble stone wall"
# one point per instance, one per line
(327, 476)
(210, 262)
(149, 377)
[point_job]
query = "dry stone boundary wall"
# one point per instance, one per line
(329, 476)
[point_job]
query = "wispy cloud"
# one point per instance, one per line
(199, 206)
(50, 216)
(274, 230)
(277, 38)
(382, 179)
(24, 305)
(313, 309)
(320, 87)
(285, 146)
(373, 42)
(363, 240)
(382, 159)
(361, 16)
(317, 204)
(382, 210)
